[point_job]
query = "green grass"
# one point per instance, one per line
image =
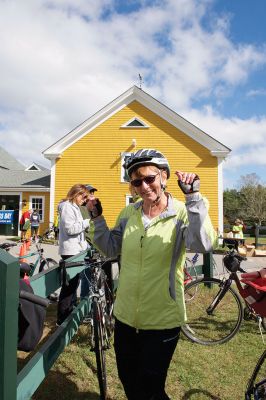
(196, 372)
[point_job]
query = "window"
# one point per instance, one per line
(129, 199)
(124, 175)
(37, 203)
(135, 123)
(33, 167)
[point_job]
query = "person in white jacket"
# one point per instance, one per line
(71, 242)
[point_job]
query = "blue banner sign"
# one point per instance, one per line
(6, 216)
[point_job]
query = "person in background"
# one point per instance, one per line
(72, 241)
(56, 225)
(238, 229)
(34, 224)
(24, 224)
(84, 276)
(151, 235)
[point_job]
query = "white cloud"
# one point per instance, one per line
(61, 61)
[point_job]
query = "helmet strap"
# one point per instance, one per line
(163, 187)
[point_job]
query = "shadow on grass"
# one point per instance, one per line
(199, 394)
(59, 385)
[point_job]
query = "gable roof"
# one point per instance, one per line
(8, 162)
(136, 94)
(25, 180)
(15, 176)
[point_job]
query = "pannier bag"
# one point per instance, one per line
(254, 293)
(31, 317)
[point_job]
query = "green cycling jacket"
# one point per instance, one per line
(150, 293)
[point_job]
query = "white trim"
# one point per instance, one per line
(142, 126)
(52, 193)
(135, 94)
(43, 205)
(220, 195)
(26, 190)
(128, 197)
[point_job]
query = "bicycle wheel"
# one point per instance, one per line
(99, 347)
(108, 310)
(190, 272)
(46, 264)
(211, 327)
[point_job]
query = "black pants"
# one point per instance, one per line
(143, 359)
(67, 297)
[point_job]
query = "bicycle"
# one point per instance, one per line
(215, 313)
(190, 271)
(101, 321)
(43, 262)
(190, 268)
(256, 387)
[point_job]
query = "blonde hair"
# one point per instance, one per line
(138, 173)
(75, 190)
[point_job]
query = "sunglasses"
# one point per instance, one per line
(147, 179)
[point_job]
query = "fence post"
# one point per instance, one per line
(257, 235)
(9, 278)
(207, 268)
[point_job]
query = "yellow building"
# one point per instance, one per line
(94, 153)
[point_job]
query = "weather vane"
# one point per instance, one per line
(140, 81)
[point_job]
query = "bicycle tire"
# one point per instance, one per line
(222, 324)
(190, 274)
(99, 347)
(46, 264)
(190, 269)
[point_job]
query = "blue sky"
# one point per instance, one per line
(63, 60)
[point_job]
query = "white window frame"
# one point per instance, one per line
(123, 171)
(129, 199)
(43, 205)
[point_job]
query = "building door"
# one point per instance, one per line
(10, 202)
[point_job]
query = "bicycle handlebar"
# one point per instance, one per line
(232, 261)
(34, 298)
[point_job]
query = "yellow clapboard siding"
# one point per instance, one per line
(95, 159)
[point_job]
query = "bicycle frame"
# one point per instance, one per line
(212, 302)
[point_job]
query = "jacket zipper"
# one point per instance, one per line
(137, 310)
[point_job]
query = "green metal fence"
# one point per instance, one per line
(21, 386)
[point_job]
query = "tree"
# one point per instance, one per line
(253, 198)
(231, 200)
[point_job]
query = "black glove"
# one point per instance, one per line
(188, 188)
(97, 209)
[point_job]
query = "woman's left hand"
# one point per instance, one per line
(188, 182)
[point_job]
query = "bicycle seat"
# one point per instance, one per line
(25, 268)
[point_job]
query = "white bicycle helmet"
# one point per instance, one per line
(149, 157)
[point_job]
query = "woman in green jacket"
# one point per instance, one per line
(151, 236)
